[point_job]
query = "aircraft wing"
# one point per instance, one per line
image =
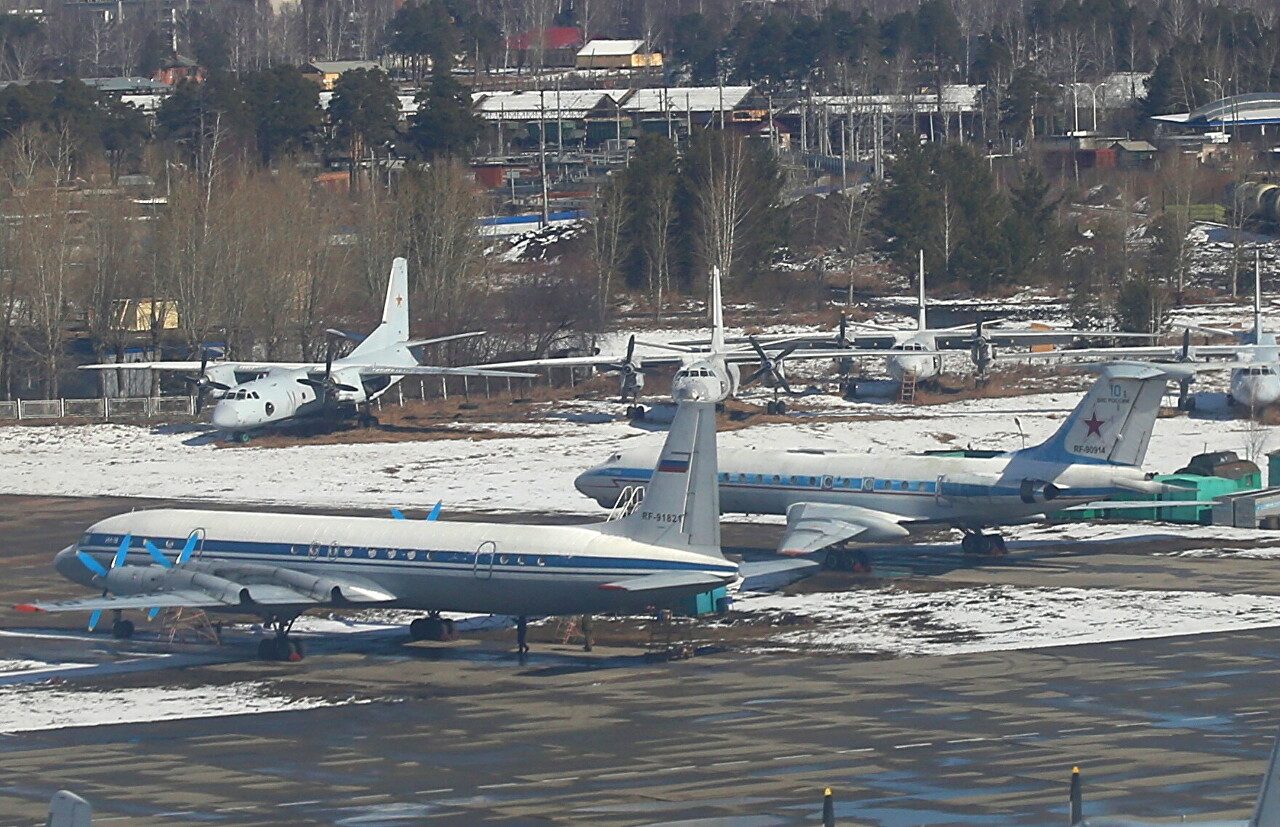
(429, 370)
(834, 353)
(581, 362)
(219, 588)
(185, 599)
(189, 366)
(1148, 352)
(666, 580)
(1008, 338)
(768, 575)
(812, 527)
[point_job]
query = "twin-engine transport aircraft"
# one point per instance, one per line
(279, 391)
(277, 566)
(1254, 361)
(708, 371)
(918, 353)
(1266, 809)
(830, 497)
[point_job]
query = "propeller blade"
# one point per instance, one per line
(782, 380)
(315, 383)
(844, 328)
(153, 613)
(328, 357)
(123, 551)
(187, 549)
(348, 388)
(435, 511)
(94, 618)
(787, 352)
(753, 377)
(631, 348)
(218, 385)
(91, 564)
(398, 514)
(156, 554)
(764, 357)
(1186, 345)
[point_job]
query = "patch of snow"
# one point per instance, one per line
(45, 707)
(892, 621)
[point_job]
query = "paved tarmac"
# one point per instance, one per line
(465, 734)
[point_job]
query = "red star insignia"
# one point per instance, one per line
(399, 301)
(1095, 425)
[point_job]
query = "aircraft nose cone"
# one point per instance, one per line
(225, 417)
(66, 564)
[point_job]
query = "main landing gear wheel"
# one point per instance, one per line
(122, 629)
(281, 648)
(778, 406)
(433, 628)
(984, 545)
(843, 559)
(635, 412)
(240, 436)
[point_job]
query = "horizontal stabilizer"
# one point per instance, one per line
(439, 339)
(769, 575)
(667, 580)
(814, 526)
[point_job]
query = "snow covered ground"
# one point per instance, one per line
(42, 707)
(897, 622)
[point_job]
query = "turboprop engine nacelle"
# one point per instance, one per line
(220, 377)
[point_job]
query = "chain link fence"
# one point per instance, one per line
(139, 407)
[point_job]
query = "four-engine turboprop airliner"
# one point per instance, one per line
(280, 391)
(830, 497)
(277, 566)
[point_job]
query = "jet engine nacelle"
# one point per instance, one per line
(1038, 491)
(987, 487)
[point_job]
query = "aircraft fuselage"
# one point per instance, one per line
(431, 566)
(969, 492)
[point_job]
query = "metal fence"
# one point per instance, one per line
(140, 407)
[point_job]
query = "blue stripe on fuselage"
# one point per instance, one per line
(282, 554)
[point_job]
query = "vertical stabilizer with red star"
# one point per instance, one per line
(1113, 422)
(394, 328)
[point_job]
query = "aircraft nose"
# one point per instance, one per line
(67, 565)
(590, 484)
(225, 416)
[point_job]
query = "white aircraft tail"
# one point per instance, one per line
(717, 313)
(1112, 423)
(921, 323)
(1266, 812)
(681, 506)
(394, 328)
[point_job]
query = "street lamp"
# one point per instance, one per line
(1222, 95)
(1093, 96)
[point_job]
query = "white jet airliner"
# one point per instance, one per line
(280, 391)
(830, 497)
(277, 566)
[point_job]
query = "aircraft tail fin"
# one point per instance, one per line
(717, 313)
(394, 327)
(681, 506)
(1267, 811)
(921, 323)
(1112, 424)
